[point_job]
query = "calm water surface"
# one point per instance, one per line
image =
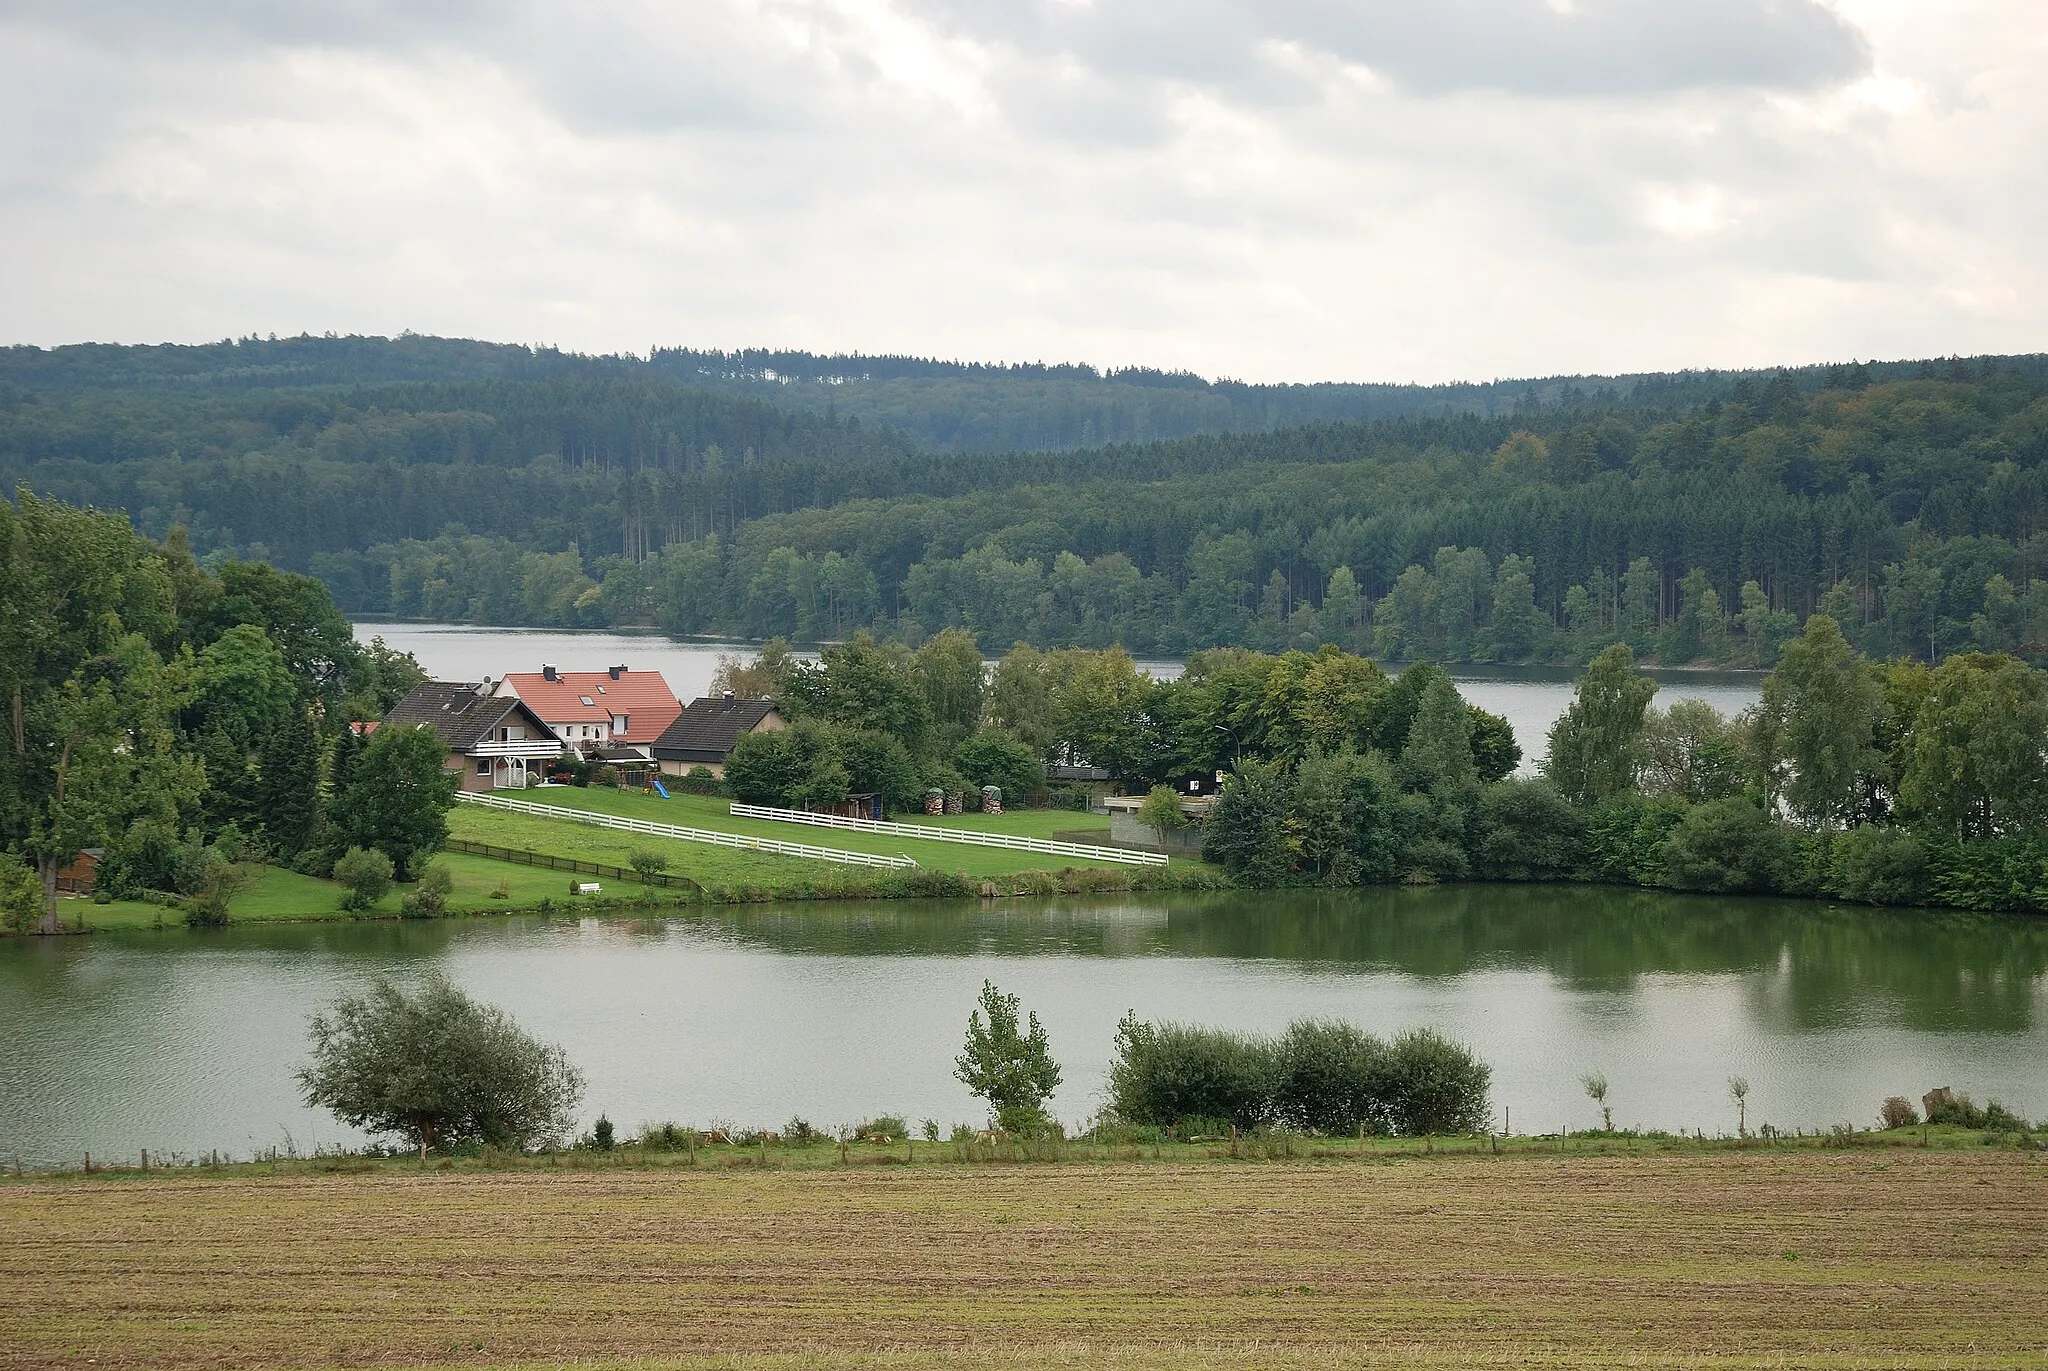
(1529, 698)
(184, 1042)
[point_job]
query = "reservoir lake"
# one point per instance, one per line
(185, 1042)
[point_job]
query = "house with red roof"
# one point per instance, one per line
(593, 711)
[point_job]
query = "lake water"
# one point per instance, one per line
(1529, 698)
(184, 1042)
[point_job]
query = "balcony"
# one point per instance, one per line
(529, 748)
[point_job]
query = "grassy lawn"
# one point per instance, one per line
(701, 862)
(1852, 1258)
(703, 811)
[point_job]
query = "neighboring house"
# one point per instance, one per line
(1082, 776)
(704, 734)
(593, 710)
(494, 742)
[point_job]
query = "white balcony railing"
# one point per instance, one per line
(518, 747)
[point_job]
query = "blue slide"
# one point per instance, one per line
(659, 789)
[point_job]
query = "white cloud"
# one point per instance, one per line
(1291, 190)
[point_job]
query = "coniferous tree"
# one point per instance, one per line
(290, 767)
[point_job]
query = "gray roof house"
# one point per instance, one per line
(495, 742)
(705, 733)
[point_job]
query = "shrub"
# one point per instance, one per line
(1874, 865)
(1525, 831)
(21, 895)
(1330, 1078)
(1167, 1073)
(366, 875)
(601, 1137)
(1898, 1112)
(439, 1068)
(647, 863)
(208, 908)
(798, 1131)
(992, 757)
(888, 1128)
(1435, 1086)
(429, 897)
(1725, 845)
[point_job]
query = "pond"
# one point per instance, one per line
(1529, 698)
(184, 1042)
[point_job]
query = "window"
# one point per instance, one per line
(483, 766)
(587, 700)
(619, 724)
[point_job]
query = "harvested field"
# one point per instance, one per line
(1733, 1259)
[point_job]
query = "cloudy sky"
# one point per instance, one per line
(1270, 189)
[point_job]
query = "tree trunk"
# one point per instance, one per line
(46, 867)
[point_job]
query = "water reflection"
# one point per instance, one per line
(187, 1041)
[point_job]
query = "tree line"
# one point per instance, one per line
(1884, 784)
(182, 720)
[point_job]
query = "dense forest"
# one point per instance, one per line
(1696, 517)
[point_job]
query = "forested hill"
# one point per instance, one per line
(1697, 517)
(939, 405)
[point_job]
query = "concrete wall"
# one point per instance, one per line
(1126, 831)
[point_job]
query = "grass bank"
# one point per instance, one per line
(484, 886)
(1695, 1258)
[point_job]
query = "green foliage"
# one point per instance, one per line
(1816, 725)
(648, 862)
(438, 1068)
(428, 898)
(1729, 846)
(365, 874)
(1320, 1076)
(397, 797)
(1248, 834)
(992, 757)
(1596, 745)
(21, 895)
(1008, 1063)
(1978, 760)
(289, 766)
(1162, 813)
(1875, 865)
(1524, 830)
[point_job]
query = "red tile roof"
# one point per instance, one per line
(642, 696)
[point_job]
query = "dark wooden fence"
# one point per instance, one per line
(553, 863)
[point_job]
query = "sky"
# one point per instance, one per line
(1274, 190)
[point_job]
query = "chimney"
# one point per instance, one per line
(618, 671)
(547, 671)
(728, 697)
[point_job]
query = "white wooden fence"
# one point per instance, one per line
(687, 835)
(931, 833)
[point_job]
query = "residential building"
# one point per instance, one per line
(596, 710)
(495, 742)
(705, 733)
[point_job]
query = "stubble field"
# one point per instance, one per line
(1748, 1259)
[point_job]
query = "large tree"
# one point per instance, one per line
(1596, 746)
(1977, 764)
(1816, 726)
(439, 1069)
(397, 797)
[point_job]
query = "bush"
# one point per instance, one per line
(208, 908)
(1727, 846)
(1331, 1078)
(798, 1131)
(1874, 865)
(1165, 1074)
(21, 895)
(992, 757)
(1898, 1112)
(366, 875)
(888, 1128)
(1525, 831)
(429, 897)
(440, 1069)
(1319, 1076)
(1435, 1086)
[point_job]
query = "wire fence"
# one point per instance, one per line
(523, 857)
(1047, 846)
(739, 841)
